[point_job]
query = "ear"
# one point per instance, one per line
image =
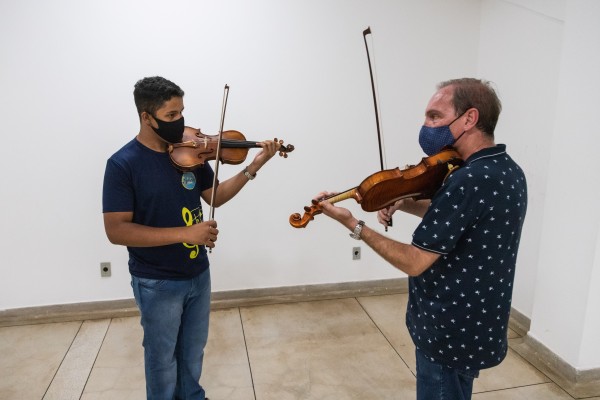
(472, 115)
(145, 118)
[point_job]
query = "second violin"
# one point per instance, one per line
(196, 148)
(384, 188)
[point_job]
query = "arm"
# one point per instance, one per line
(414, 207)
(405, 257)
(121, 229)
(229, 188)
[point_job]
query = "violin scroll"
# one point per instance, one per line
(283, 150)
(298, 221)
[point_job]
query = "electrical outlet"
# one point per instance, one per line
(356, 253)
(104, 269)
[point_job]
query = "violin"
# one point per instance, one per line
(384, 188)
(196, 148)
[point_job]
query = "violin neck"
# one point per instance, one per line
(246, 144)
(237, 144)
(348, 194)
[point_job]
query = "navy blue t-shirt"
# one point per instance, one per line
(143, 181)
(458, 309)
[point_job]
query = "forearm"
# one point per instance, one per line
(136, 235)
(228, 189)
(414, 207)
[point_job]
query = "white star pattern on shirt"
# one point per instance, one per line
(481, 247)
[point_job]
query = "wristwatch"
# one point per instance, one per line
(357, 230)
(248, 174)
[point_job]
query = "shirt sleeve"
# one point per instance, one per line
(205, 176)
(117, 191)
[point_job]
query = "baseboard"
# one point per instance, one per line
(68, 312)
(220, 300)
(578, 383)
(518, 322)
(290, 294)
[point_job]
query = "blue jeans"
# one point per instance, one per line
(438, 382)
(175, 316)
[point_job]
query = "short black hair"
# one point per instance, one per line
(152, 92)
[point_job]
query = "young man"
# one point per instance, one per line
(155, 210)
(461, 262)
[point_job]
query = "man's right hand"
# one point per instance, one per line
(204, 233)
(408, 205)
(385, 215)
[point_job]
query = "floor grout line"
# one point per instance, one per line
(62, 360)
(247, 353)
(72, 374)
(383, 334)
(542, 372)
(96, 357)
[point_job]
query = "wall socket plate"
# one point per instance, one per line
(105, 269)
(356, 253)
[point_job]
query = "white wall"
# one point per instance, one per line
(549, 84)
(298, 71)
(520, 48)
(566, 313)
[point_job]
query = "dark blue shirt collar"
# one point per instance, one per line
(487, 153)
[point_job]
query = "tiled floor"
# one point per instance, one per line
(352, 348)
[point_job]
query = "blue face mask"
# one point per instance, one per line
(433, 140)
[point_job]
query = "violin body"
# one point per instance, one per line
(196, 148)
(421, 181)
(384, 188)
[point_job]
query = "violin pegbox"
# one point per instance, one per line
(283, 150)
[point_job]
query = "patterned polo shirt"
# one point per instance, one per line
(458, 309)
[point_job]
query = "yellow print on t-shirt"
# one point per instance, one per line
(191, 217)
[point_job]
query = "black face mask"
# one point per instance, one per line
(171, 132)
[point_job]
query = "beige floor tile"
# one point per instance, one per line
(74, 371)
(119, 369)
(325, 350)
(514, 371)
(388, 313)
(545, 391)
(226, 372)
(31, 355)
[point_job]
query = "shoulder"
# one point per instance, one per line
(132, 154)
(130, 148)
